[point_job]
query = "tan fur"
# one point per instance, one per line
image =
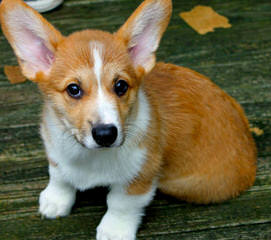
(198, 143)
(209, 154)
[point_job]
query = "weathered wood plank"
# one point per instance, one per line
(164, 216)
(256, 232)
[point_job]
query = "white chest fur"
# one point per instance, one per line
(85, 169)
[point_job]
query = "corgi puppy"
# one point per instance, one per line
(114, 117)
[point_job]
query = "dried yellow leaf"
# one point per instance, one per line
(14, 74)
(204, 19)
(257, 131)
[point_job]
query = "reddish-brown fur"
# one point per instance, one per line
(206, 152)
(209, 154)
(198, 142)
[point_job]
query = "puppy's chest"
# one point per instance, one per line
(86, 169)
(103, 169)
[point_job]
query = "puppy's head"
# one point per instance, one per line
(91, 78)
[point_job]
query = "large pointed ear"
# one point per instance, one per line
(32, 38)
(143, 30)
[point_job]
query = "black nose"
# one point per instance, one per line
(105, 134)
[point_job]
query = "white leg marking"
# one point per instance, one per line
(57, 199)
(124, 214)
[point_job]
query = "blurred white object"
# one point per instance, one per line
(43, 5)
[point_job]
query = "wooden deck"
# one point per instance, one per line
(238, 59)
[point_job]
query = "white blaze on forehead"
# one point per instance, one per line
(106, 106)
(96, 49)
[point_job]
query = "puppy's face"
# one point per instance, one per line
(92, 87)
(89, 78)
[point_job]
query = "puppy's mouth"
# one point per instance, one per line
(93, 145)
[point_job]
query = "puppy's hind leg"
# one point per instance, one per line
(204, 189)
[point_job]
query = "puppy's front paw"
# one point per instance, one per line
(116, 227)
(56, 202)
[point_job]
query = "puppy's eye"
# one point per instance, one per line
(74, 91)
(121, 87)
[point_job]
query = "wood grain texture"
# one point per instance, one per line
(237, 59)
